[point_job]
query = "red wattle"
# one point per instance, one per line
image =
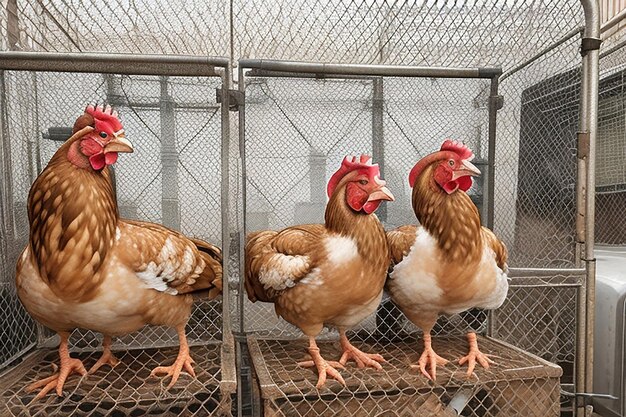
(450, 186)
(371, 206)
(465, 183)
(110, 158)
(97, 161)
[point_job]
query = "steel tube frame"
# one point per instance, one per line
(136, 64)
(588, 120)
(339, 70)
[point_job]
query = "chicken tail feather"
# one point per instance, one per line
(211, 276)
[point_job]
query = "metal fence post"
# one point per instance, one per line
(587, 151)
(169, 159)
(6, 186)
(242, 234)
(378, 134)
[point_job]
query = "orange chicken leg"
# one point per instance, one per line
(361, 358)
(429, 359)
(107, 357)
(324, 367)
(68, 366)
(474, 355)
(183, 360)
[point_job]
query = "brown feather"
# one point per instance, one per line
(400, 241)
(342, 288)
(452, 219)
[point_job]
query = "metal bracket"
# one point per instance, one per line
(236, 98)
(497, 101)
(583, 145)
(584, 398)
(589, 44)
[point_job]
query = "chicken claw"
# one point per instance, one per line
(324, 368)
(107, 357)
(474, 356)
(429, 358)
(69, 366)
(183, 360)
(361, 358)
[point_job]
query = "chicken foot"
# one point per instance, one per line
(474, 355)
(183, 360)
(69, 366)
(361, 358)
(324, 368)
(429, 359)
(107, 357)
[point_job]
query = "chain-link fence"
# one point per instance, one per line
(298, 129)
(173, 178)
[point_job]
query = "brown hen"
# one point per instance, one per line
(84, 267)
(449, 263)
(331, 274)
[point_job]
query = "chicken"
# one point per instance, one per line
(331, 274)
(84, 267)
(449, 263)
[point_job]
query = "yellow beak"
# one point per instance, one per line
(119, 144)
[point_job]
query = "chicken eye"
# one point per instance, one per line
(451, 162)
(363, 182)
(103, 135)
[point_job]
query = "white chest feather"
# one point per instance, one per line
(414, 281)
(340, 249)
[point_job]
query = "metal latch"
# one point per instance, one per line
(497, 101)
(236, 98)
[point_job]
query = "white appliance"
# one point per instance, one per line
(609, 367)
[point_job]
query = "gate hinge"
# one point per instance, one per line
(236, 98)
(583, 145)
(497, 101)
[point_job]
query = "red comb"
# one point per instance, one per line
(106, 119)
(350, 163)
(457, 147)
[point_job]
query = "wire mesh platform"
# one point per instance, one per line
(127, 389)
(520, 383)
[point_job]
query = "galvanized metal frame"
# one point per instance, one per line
(137, 64)
(588, 125)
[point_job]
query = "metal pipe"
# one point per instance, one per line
(491, 151)
(569, 35)
(371, 70)
(613, 21)
(244, 226)
(225, 199)
(378, 134)
(544, 272)
(183, 65)
(170, 206)
(589, 124)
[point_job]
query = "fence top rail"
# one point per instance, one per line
(131, 64)
(274, 67)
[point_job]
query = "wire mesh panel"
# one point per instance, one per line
(522, 385)
(172, 178)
